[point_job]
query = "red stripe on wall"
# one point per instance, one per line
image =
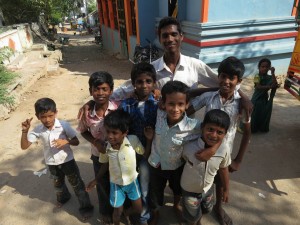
(239, 40)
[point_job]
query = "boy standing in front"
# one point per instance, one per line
(91, 127)
(230, 73)
(198, 176)
(172, 129)
(120, 160)
(57, 136)
(142, 109)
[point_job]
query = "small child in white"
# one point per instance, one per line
(198, 176)
(57, 136)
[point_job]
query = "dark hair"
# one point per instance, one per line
(232, 66)
(141, 68)
(44, 105)
(118, 119)
(174, 87)
(101, 77)
(166, 21)
(217, 117)
(264, 60)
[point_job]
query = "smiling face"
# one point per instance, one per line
(212, 134)
(228, 83)
(170, 39)
(101, 93)
(175, 106)
(144, 85)
(47, 118)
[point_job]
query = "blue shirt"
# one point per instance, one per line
(140, 120)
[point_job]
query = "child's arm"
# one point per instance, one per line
(235, 165)
(100, 145)
(199, 91)
(224, 175)
(59, 143)
(149, 134)
(245, 104)
(207, 153)
(24, 141)
(102, 171)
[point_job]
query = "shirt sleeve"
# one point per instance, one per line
(70, 132)
(226, 161)
(200, 101)
(124, 91)
(206, 76)
(103, 158)
(82, 126)
(136, 144)
(33, 135)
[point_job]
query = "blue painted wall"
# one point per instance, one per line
(148, 11)
(230, 10)
(193, 9)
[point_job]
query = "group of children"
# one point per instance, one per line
(141, 143)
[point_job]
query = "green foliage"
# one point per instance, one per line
(92, 6)
(5, 53)
(6, 77)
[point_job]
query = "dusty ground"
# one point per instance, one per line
(265, 190)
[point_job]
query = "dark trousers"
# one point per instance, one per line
(71, 171)
(102, 188)
(158, 182)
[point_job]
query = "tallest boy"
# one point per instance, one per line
(175, 66)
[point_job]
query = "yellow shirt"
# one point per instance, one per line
(122, 163)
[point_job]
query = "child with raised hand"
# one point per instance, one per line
(57, 137)
(142, 110)
(230, 73)
(198, 176)
(92, 129)
(121, 160)
(262, 101)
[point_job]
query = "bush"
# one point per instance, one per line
(5, 53)
(6, 78)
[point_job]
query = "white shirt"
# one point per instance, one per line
(213, 100)
(198, 176)
(168, 141)
(122, 163)
(189, 70)
(60, 130)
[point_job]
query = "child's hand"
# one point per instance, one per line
(272, 69)
(91, 185)
(26, 125)
(84, 110)
(205, 154)
(225, 195)
(59, 143)
(149, 133)
(234, 166)
(100, 145)
(156, 94)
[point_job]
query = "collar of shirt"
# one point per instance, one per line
(136, 101)
(235, 96)
(125, 144)
(111, 106)
(57, 124)
(182, 124)
(162, 65)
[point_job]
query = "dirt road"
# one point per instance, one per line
(265, 190)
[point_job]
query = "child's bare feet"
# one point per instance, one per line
(222, 216)
(87, 212)
(178, 212)
(154, 218)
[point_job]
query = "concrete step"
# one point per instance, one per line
(17, 62)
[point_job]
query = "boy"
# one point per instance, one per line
(121, 160)
(172, 129)
(230, 72)
(57, 136)
(198, 176)
(142, 110)
(91, 127)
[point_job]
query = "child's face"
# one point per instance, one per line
(175, 106)
(228, 83)
(144, 85)
(264, 68)
(212, 134)
(115, 137)
(101, 93)
(47, 118)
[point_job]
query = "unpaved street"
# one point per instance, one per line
(264, 192)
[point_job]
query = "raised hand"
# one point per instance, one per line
(26, 125)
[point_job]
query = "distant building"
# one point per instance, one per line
(212, 30)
